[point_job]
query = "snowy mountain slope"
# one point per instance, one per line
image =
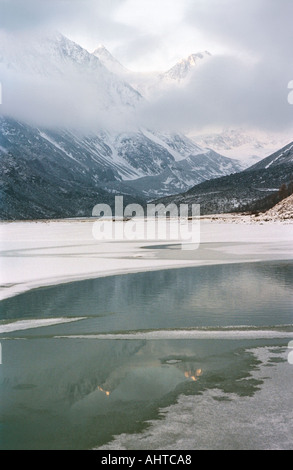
(109, 61)
(249, 147)
(234, 192)
(245, 145)
(178, 145)
(180, 71)
(48, 174)
(282, 157)
(128, 155)
(150, 84)
(56, 57)
(181, 175)
(130, 164)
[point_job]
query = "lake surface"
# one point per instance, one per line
(138, 344)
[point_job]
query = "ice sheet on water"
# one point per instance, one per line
(219, 420)
(28, 324)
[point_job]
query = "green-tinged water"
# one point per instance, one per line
(72, 386)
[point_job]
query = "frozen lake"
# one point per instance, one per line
(198, 347)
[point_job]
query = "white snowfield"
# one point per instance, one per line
(43, 253)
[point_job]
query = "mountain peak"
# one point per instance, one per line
(193, 59)
(182, 69)
(101, 49)
(100, 46)
(108, 60)
(57, 63)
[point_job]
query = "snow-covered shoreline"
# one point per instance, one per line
(44, 253)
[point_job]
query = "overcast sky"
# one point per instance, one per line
(246, 83)
(152, 34)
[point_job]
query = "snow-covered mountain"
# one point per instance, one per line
(281, 157)
(59, 171)
(54, 57)
(246, 145)
(246, 190)
(109, 61)
(184, 67)
(149, 84)
(249, 147)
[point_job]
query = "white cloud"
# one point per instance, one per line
(246, 85)
(151, 16)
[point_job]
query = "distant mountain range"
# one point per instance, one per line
(149, 84)
(250, 146)
(240, 190)
(246, 145)
(57, 171)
